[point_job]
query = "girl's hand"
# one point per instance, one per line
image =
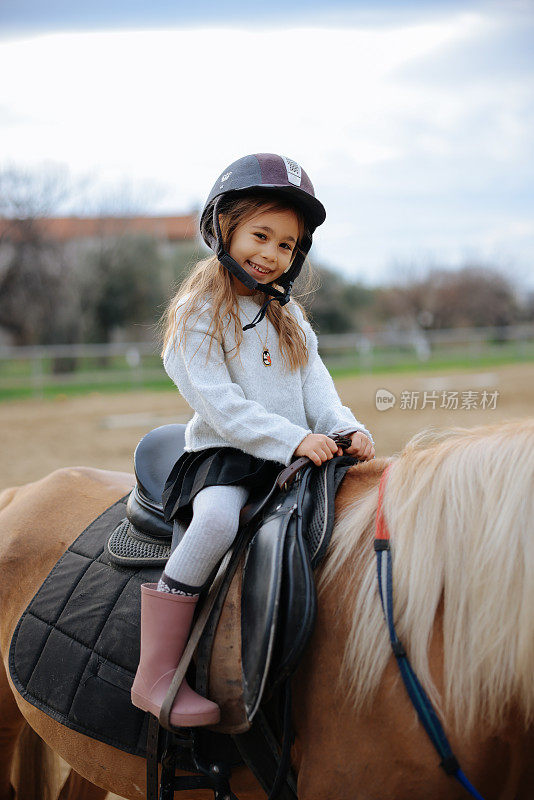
(361, 447)
(318, 448)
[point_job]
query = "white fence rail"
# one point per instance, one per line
(133, 370)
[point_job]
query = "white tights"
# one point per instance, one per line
(211, 532)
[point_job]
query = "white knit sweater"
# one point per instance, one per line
(239, 402)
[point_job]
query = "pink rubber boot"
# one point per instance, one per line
(165, 623)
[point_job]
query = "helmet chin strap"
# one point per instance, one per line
(237, 270)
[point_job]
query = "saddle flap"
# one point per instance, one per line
(261, 597)
(249, 633)
(278, 605)
(298, 601)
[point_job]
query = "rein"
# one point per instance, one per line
(427, 716)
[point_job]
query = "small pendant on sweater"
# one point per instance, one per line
(266, 358)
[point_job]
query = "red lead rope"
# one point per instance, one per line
(381, 530)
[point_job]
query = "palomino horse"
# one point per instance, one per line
(460, 508)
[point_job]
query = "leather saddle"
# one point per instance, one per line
(265, 608)
(154, 457)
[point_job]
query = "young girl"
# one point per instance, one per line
(261, 398)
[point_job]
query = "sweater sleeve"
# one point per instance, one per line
(208, 388)
(325, 412)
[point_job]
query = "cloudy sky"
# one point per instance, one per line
(414, 120)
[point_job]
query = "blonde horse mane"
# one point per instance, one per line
(459, 504)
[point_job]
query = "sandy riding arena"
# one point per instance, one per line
(102, 430)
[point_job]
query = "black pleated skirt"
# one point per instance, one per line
(215, 466)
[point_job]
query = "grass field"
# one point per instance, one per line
(25, 379)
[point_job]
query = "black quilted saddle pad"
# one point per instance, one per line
(75, 650)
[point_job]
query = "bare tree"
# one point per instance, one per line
(475, 295)
(33, 271)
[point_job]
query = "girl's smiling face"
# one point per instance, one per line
(264, 245)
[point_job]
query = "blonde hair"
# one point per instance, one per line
(209, 278)
(459, 506)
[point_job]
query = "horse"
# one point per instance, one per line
(459, 505)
